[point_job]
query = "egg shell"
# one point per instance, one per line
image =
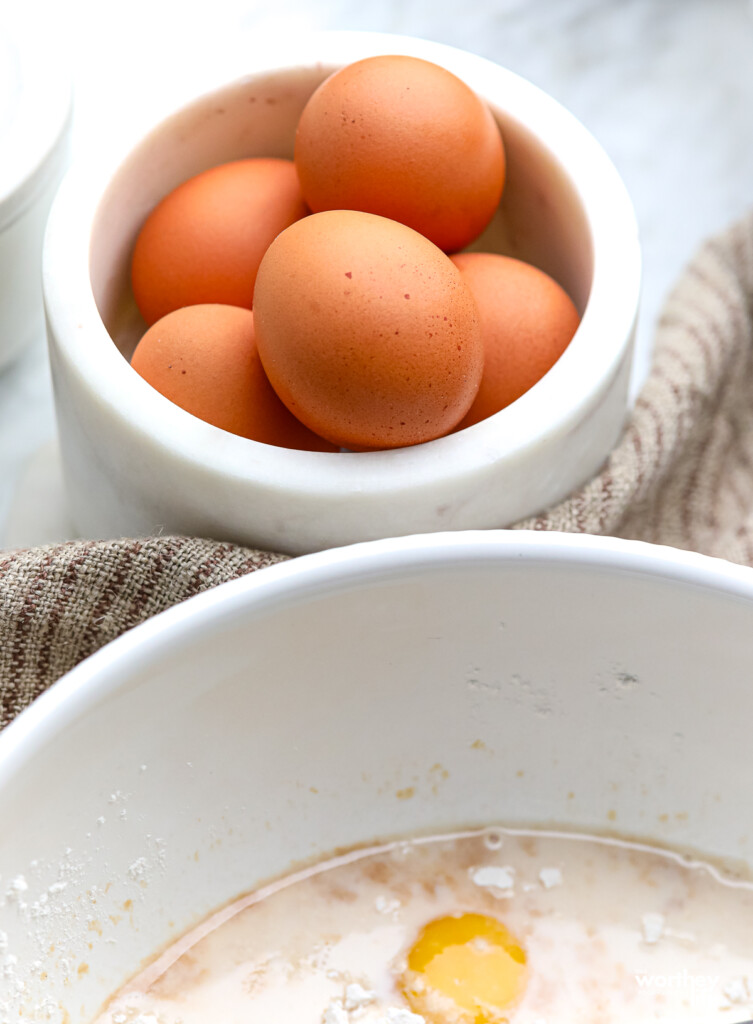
(204, 241)
(527, 322)
(204, 358)
(406, 139)
(367, 331)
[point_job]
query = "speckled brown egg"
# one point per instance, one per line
(204, 358)
(204, 241)
(367, 331)
(406, 139)
(527, 322)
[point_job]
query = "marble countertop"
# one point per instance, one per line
(666, 86)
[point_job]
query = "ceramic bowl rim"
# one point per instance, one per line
(307, 577)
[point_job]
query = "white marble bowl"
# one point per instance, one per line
(585, 683)
(136, 464)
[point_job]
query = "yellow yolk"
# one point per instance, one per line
(467, 969)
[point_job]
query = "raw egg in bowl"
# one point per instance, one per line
(462, 779)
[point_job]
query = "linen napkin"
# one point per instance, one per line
(682, 475)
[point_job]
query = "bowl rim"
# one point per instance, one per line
(308, 577)
(35, 114)
(585, 369)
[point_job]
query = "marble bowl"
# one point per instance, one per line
(135, 464)
(560, 681)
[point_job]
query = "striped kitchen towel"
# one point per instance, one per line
(681, 475)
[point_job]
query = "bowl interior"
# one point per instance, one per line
(395, 688)
(541, 218)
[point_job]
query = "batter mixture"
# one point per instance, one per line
(475, 928)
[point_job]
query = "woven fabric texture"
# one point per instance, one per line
(681, 475)
(59, 604)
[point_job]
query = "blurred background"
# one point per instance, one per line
(666, 86)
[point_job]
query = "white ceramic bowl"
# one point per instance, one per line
(35, 122)
(135, 464)
(275, 718)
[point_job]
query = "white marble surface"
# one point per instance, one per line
(665, 85)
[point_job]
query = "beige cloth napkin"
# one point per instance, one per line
(681, 475)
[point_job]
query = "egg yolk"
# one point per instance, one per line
(465, 969)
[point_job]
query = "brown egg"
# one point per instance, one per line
(527, 322)
(405, 139)
(204, 359)
(205, 240)
(367, 330)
